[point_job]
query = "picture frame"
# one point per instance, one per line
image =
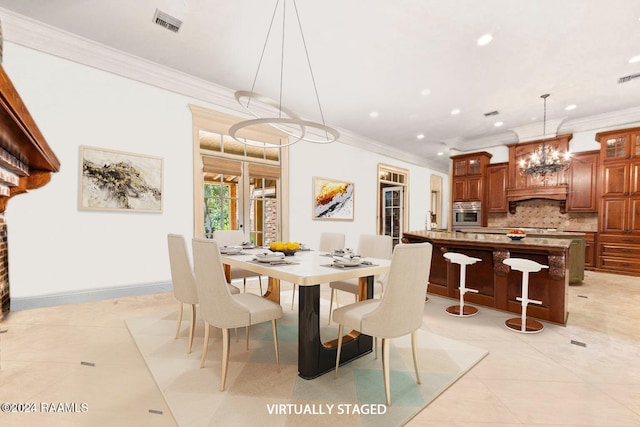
(113, 180)
(333, 199)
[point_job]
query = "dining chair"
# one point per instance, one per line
(184, 285)
(236, 238)
(370, 245)
(329, 242)
(400, 310)
(221, 309)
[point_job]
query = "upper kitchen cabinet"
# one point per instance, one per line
(468, 176)
(619, 145)
(583, 182)
(497, 179)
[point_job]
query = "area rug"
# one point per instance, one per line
(257, 394)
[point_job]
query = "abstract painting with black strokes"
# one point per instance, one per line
(115, 180)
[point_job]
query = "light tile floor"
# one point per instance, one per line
(83, 353)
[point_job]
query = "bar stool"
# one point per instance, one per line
(462, 310)
(522, 324)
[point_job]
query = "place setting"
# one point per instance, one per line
(346, 258)
(232, 250)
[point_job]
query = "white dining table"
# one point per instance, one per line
(308, 270)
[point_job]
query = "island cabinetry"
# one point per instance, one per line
(468, 176)
(496, 198)
(498, 286)
(583, 182)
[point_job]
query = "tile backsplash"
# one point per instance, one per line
(539, 213)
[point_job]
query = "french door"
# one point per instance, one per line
(241, 195)
(392, 212)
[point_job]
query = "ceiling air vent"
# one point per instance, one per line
(491, 113)
(167, 21)
(628, 78)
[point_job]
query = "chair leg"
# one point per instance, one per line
(246, 335)
(244, 284)
(385, 369)
(340, 331)
(179, 319)
(331, 305)
(225, 357)
(192, 326)
(375, 343)
(236, 329)
(275, 343)
(293, 297)
(205, 346)
(414, 348)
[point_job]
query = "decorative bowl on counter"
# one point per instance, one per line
(515, 234)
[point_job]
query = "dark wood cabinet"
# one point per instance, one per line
(590, 250)
(619, 216)
(468, 176)
(583, 182)
(496, 196)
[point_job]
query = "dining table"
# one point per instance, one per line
(310, 269)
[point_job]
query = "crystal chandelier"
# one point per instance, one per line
(546, 159)
(283, 119)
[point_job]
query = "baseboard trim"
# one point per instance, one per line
(50, 300)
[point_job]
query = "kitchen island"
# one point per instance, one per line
(576, 251)
(497, 285)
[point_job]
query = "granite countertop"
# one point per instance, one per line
(489, 238)
(550, 232)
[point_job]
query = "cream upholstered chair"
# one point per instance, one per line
(236, 238)
(329, 242)
(370, 245)
(219, 308)
(184, 285)
(399, 311)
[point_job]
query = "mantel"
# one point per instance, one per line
(26, 160)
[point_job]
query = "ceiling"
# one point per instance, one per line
(375, 55)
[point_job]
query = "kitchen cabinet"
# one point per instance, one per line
(620, 144)
(496, 198)
(583, 182)
(619, 216)
(590, 250)
(468, 176)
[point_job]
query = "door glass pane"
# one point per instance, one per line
(221, 203)
(263, 208)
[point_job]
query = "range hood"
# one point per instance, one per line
(553, 192)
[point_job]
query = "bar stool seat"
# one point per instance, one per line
(522, 324)
(462, 310)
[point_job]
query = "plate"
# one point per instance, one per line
(274, 260)
(347, 262)
(230, 249)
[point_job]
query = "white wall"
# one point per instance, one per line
(346, 163)
(57, 248)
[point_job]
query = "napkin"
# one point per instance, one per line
(272, 256)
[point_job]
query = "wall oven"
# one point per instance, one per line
(466, 214)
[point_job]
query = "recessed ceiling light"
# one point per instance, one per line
(498, 124)
(373, 114)
(455, 111)
(425, 92)
(421, 136)
(570, 107)
(440, 153)
(634, 59)
(484, 40)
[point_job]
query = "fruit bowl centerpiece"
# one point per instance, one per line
(287, 248)
(516, 234)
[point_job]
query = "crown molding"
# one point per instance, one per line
(539, 130)
(486, 141)
(612, 119)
